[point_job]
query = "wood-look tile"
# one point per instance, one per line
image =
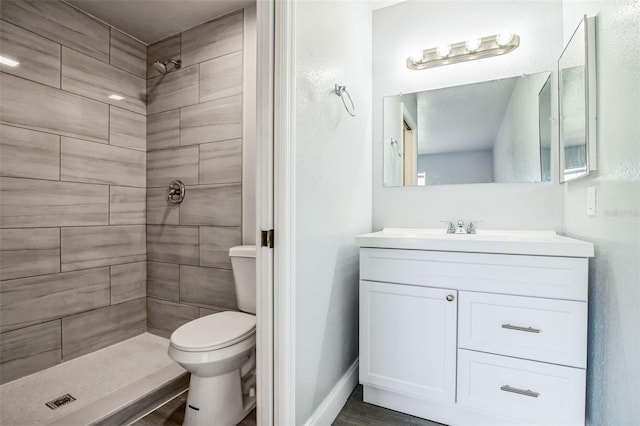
(39, 58)
(26, 252)
(207, 287)
(221, 77)
(96, 80)
(215, 243)
(358, 413)
(28, 203)
(127, 129)
(28, 301)
(62, 23)
(204, 312)
(172, 414)
(30, 154)
(90, 331)
(29, 349)
(128, 282)
(127, 206)
(211, 121)
(159, 210)
(83, 161)
(212, 39)
(173, 244)
(169, 48)
(216, 205)
(163, 281)
(169, 164)
(91, 246)
(173, 90)
(128, 53)
(63, 113)
(163, 317)
(221, 162)
(163, 130)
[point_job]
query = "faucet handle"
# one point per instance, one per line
(471, 228)
(450, 228)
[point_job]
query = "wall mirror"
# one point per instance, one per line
(577, 103)
(493, 131)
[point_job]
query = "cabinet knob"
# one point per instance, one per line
(450, 298)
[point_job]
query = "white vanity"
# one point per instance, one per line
(489, 328)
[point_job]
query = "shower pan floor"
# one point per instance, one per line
(103, 383)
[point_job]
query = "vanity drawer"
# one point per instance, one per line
(524, 391)
(537, 276)
(525, 327)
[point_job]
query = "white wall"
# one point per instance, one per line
(613, 375)
(249, 147)
(516, 151)
(332, 190)
(403, 28)
(457, 167)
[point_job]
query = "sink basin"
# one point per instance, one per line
(539, 243)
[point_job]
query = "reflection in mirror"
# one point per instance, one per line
(494, 131)
(577, 128)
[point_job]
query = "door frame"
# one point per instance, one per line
(275, 196)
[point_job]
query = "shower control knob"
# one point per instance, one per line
(450, 298)
(176, 192)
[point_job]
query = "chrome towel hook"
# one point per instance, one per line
(341, 91)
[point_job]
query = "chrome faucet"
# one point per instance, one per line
(459, 227)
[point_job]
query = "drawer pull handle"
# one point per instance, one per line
(515, 327)
(527, 392)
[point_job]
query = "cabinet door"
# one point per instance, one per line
(408, 339)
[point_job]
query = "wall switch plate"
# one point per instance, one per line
(591, 201)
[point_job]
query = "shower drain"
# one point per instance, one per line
(60, 401)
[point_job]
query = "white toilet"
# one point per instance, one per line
(219, 351)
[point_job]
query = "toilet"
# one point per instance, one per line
(219, 351)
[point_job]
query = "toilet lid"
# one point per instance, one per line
(215, 331)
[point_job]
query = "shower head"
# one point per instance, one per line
(161, 65)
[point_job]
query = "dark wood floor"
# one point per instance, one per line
(354, 413)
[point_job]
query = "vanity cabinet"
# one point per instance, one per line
(474, 338)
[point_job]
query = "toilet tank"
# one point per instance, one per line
(243, 262)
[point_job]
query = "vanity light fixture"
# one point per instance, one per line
(116, 97)
(474, 48)
(9, 62)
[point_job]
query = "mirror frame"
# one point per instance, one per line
(590, 100)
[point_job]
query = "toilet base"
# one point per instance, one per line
(217, 401)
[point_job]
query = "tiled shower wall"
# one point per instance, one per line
(194, 134)
(72, 207)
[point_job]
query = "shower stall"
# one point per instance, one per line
(98, 264)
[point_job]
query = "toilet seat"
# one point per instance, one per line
(213, 332)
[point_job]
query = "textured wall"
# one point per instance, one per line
(194, 134)
(403, 28)
(332, 191)
(613, 375)
(72, 208)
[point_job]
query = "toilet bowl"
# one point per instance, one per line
(219, 350)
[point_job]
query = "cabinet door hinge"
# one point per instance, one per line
(267, 238)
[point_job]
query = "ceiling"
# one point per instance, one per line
(153, 20)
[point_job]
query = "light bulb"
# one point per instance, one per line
(504, 38)
(416, 56)
(473, 44)
(443, 50)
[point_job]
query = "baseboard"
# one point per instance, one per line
(327, 412)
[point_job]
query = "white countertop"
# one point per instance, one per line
(537, 243)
